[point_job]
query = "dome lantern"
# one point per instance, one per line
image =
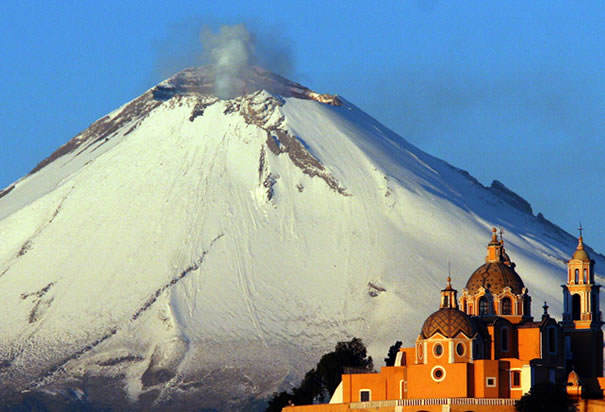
(580, 253)
(448, 296)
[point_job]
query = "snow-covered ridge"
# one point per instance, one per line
(187, 246)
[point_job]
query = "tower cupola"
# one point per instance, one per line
(448, 296)
(580, 293)
(494, 249)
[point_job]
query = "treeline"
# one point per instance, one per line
(320, 382)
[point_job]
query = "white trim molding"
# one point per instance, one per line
(433, 373)
(369, 391)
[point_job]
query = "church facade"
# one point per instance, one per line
(485, 349)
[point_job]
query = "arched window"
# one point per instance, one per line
(585, 277)
(507, 307)
(504, 339)
(575, 306)
(483, 309)
(577, 275)
(446, 302)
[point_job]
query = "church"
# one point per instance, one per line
(482, 350)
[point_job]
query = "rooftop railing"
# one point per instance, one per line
(433, 401)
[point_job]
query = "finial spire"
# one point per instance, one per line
(545, 314)
(501, 235)
(580, 253)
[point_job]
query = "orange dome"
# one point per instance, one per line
(496, 276)
(449, 322)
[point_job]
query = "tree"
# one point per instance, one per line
(279, 400)
(546, 397)
(332, 365)
(320, 382)
(392, 355)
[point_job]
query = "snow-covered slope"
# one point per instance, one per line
(190, 246)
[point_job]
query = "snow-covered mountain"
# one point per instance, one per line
(190, 250)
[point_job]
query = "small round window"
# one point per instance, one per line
(438, 349)
(460, 349)
(438, 373)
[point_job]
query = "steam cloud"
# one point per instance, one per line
(232, 49)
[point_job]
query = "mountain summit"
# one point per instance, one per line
(190, 251)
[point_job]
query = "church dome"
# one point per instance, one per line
(496, 276)
(449, 322)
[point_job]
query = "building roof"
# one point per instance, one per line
(495, 277)
(448, 322)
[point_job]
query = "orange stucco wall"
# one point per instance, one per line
(409, 356)
(421, 384)
(461, 380)
(592, 405)
(485, 368)
(384, 385)
(529, 343)
(429, 408)
(394, 376)
(339, 407)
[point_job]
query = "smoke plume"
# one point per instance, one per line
(233, 48)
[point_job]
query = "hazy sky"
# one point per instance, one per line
(507, 90)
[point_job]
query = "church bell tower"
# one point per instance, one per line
(582, 316)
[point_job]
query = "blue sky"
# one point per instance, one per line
(513, 90)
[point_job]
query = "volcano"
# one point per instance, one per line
(189, 252)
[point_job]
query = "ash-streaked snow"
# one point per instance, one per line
(191, 246)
